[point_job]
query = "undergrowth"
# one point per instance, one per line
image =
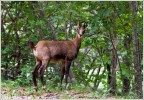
(12, 88)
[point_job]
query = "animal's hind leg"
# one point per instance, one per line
(62, 72)
(67, 68)
(42, 69)
(38, 64)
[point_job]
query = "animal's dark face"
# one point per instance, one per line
(81, 28)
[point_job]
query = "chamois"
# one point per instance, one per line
(56, 51)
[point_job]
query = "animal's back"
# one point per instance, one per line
(55, 49)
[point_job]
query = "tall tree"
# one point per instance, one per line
(126, 80)
(114, 40)
(136, 52)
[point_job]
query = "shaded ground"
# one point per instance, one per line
(22, 93)
(72, 95)
(11, 90)
(47, 95)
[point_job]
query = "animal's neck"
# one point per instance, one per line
(77, 41)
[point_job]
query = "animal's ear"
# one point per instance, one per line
(85, 25)
(79, 25)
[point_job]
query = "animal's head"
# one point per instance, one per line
(81, 28)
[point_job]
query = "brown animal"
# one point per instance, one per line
(56, 51)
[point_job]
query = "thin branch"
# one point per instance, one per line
(116, 55)
(96, 85)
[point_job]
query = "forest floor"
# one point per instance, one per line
(71, 94)
(18, 92)
(11, 90)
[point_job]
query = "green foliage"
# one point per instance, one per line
(25, 77)
(33, 21)
(56, 79)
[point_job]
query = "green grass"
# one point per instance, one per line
(12, 88)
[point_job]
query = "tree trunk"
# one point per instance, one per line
(17, 49)
(126, 80)
(109, 76)
(113, 76)
(138, 71)
(114, 57)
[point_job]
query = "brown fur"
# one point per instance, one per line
(56, 51)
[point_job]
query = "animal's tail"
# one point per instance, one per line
(31, 45)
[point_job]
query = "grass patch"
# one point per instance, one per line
(53, 91)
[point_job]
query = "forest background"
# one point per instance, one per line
(109, 63)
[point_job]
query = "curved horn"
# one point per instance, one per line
(79, 24)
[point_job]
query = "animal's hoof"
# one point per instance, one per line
(36, 89)
(44, 87)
